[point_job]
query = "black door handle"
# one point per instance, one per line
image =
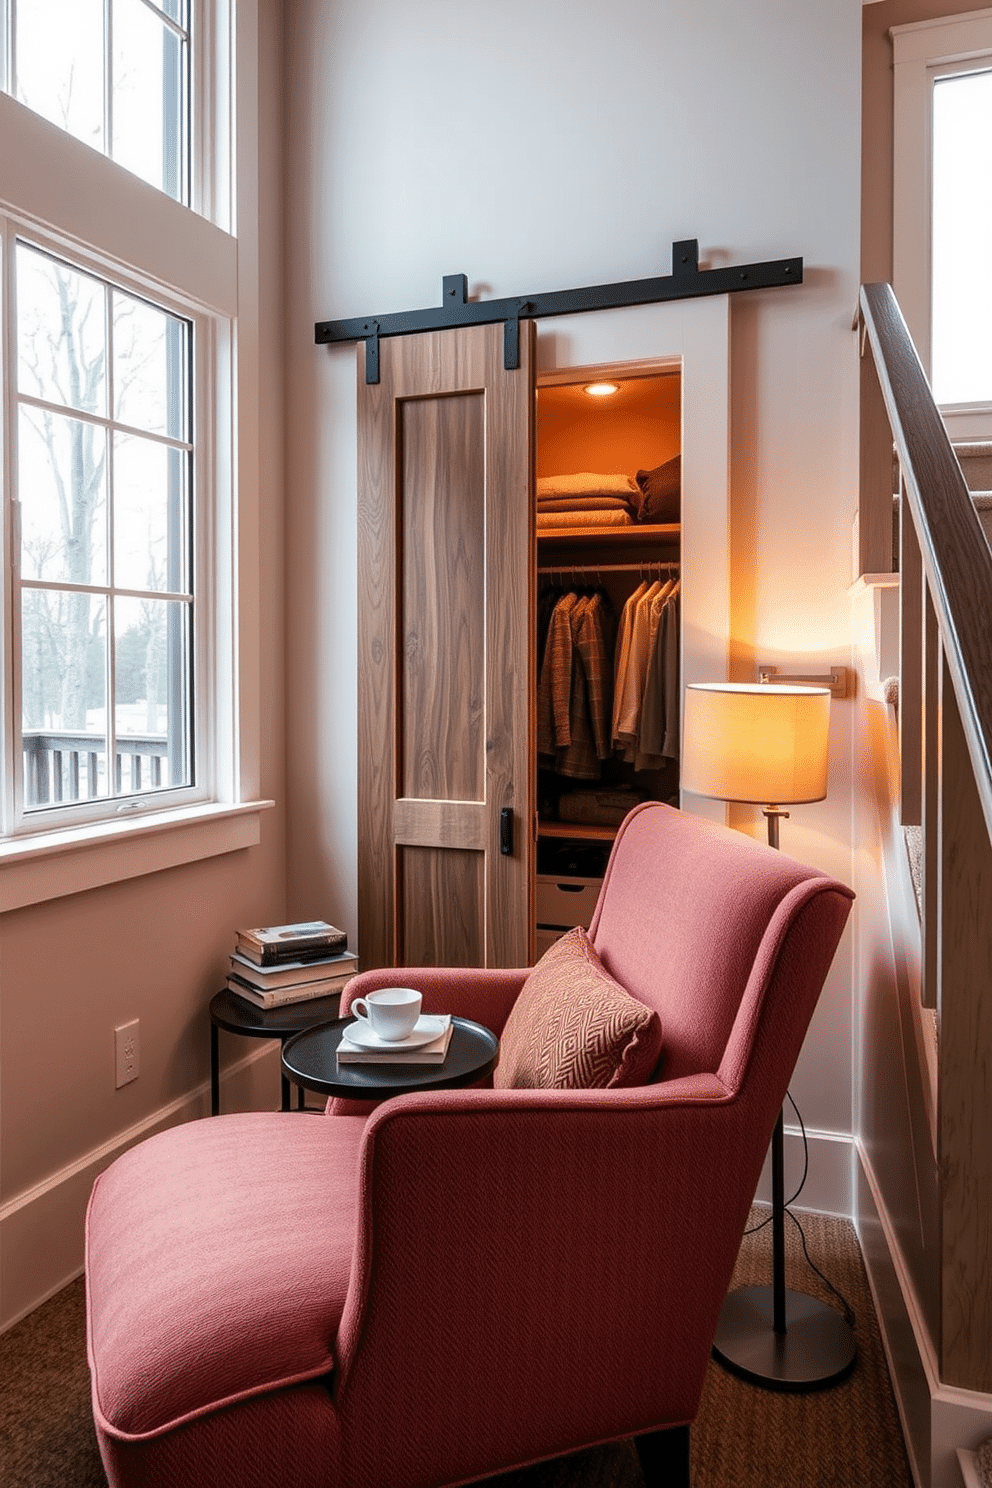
(506, 831)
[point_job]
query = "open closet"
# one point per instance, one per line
(608, 528)
(465, 844)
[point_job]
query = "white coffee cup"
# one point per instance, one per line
(392, 1012)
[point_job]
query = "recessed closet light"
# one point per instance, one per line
(601, 389)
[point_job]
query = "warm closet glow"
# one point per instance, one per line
(638, 428)
(602, 389)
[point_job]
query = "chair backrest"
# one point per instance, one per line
(685, 908)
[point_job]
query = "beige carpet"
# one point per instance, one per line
(844, 1437)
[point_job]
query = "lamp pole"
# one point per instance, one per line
(808, 1345)
(752, 742)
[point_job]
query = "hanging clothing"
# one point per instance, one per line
(671, 746)
(644, 624)
(591, 638)
(575, 688)
(576, 754)
(659, 731)
(556, 681)
(622, 665)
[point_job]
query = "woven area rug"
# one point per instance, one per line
(844, 1437)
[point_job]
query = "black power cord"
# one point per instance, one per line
(848, 1310)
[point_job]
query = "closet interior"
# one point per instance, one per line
(608, 492)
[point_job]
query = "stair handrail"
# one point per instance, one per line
(956, 556)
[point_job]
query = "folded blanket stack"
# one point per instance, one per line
(586, 499)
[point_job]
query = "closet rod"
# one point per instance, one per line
(604, 568)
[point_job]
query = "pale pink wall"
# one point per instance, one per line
(153, 947)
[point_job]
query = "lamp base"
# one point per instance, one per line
(816, 1350)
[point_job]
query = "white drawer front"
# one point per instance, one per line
(566, 901)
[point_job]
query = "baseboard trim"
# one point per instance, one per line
(905, 1338)
(937, 1419)
(41, 1228)
(828, 1188)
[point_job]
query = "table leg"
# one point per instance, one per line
(285, 1092)
(214, 1071)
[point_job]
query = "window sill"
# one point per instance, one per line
(71, 860)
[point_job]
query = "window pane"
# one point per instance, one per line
(107, 508)
(59, 64)
(63, 696)
(61, 480)
(150, 359)
(961, 359)
(61, 333)
(152, 702)
(148, 97)
(149, 515)
(132, 79)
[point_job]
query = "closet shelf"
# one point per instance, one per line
(609, 537)
(576, 831)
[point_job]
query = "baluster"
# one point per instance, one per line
(57, 773)
(74, 775)
(41, 792)
(91, 775)
(875, 505)
(932, 654)
(136, 772)
(910, 666)
(965, 1013)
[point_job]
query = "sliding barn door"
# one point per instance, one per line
(445, 672)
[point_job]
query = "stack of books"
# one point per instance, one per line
(276, 964)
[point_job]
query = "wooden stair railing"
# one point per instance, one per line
(945, 738)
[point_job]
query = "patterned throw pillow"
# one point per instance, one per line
(574, 1027)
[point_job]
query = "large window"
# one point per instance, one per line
(103, 598)
(942, 208)
(128, 345)
(113, 73)
(961, 215)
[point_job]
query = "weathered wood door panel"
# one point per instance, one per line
(445, 651)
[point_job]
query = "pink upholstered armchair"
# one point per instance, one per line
(471, 1280)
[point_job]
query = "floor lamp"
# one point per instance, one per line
(767, 745)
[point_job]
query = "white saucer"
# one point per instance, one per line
(427, 1028)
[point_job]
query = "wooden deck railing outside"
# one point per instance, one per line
(63, 765)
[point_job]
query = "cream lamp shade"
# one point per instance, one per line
(755, 742)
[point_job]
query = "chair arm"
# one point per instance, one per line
(544, 1264)
(485, 995)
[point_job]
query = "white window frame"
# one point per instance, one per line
(16, 817)
(72, 198)
(210, 126)
(924, 52)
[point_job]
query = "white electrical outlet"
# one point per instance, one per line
(126, 1050)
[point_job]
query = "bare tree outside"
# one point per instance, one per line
(67, 366)
(103, 504)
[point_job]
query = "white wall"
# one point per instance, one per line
(536, 145)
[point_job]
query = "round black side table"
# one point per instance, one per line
(237, 1015)
(310, 1061)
